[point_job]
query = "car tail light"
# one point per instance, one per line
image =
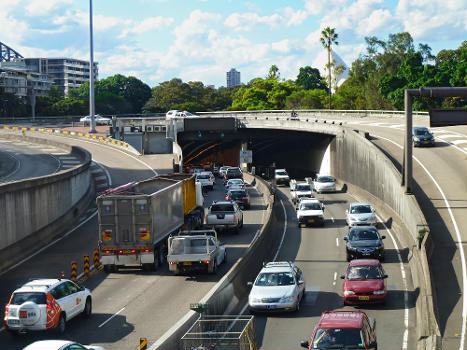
(235, 217)
(49, 306)
(210, 180)
(172, 263)
(133, 251)
(7, 306)
(146, 250)
(207, 262)
(120, 252)
(228, 198)
(244, 198)
(206, 218)
(107, 252)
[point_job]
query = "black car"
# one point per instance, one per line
(421, 136)
(241, 197)
(233, 173)
(364, 242)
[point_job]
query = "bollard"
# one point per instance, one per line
(143, 343)
(96, 259)
(86, 265)
(74, 271)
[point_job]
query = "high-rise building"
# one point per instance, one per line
(66, 73)
(233, 78)
(16, 78)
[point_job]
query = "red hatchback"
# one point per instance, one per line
(343, 330)
(364, 282)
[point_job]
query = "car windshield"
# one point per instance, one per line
(363, 272)
(271, 279)
(363, 235)
(188, 114)
(281, 173)
(222, 207)
(325, 179)
(360, 209)
(421, 132)
(303, 187)
(310, 206)
(338, 338)
(22, 297)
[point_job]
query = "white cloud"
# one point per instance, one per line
(378, 19)
(247, 21)
(41, 7)
(148, 24)
(314, 7)
(99, 22)
(282, 46)
(294, 18)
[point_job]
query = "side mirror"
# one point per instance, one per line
(383, 237)
(296, 208)
(342, 277)
(301, 281)
(385, 276)
(249, 284)
(346, 238)
(346, 211)
(373, 344)
(305, 344)
(373, 210)
(323, 206)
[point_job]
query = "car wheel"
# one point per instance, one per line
(87, 308)
(214, 268)
(225, 256)
(61, 326)
(297, 308)
(241, 223)
(299, 225)
(348, 257)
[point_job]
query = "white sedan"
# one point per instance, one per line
(324, 183)
(100, 120)
(60, 345)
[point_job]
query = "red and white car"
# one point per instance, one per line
(364, 282)
(46, 304)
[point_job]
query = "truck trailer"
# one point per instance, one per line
(136, 219)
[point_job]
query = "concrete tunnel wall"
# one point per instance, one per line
(30, 206)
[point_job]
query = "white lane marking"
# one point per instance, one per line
(448, 136)
(397, 126)
(458, 142)
(18, 166)
(337, 241)
(283, 232)
(104, 169)
(312, 293)
(459, 243)
(335, 279)
(71, 162)
(332, 219)
(68, 157)
(256, 234)
(111, 317)
(404, 281)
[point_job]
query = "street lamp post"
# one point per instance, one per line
(92, 124)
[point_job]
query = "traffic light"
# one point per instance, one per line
(200, 134)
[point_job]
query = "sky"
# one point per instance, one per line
(200, 40)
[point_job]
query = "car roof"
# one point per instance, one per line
(309, 200)
(364, 262)
(420, 128)
(278, 266)
(280, 170)
(222, 202)
(359, 203)
(40, 285)
(363, 228)
(48, 344)
(341, 319)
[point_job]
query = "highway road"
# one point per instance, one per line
(129, 304)
(320, 253)
(441, 189)
(22, 160)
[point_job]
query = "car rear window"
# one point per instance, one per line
(21, 297)
(325, 179)
(303, 187)
(222, 207)
(233, 172)
(203, 177)
(237, 194)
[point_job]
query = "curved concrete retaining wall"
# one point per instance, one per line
(370, 174)
(231, 290)
(35, 210)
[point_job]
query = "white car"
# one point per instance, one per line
(46, 304)
(301, 190)
(171, 114)
(100, 120)
(310, 212)
(205, 179)
(234, 183)
(281, 177)
(223, 170)
(60, 345)
(324, 183)
(178, 114)
(360, 214)
(279, 287)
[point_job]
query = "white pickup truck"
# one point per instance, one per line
(197, 250)
(300, 190)
(224, 215)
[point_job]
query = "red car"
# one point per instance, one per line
(364, 282)
(343, 330)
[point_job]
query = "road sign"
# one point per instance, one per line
(447, 117)
(246, 156)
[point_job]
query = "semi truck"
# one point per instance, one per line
(136, 219)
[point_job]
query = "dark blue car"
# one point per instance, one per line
(421, 136)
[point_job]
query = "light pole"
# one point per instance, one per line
(92, 124)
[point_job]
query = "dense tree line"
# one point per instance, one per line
(377, 80)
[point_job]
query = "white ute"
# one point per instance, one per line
(281, 177)
(310, 212)
(301, 190)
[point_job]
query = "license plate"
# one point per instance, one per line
(427, 142)
(364, 297)
(187, 263)
(311, 220)
(270, 307)
(127, 251)
(13, 322)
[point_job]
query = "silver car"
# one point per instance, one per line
(360, 214)
(324, 183)
(205, 179)
(279, 287)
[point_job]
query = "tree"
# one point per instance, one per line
(310, 78)
(273, 73)
(329, 37)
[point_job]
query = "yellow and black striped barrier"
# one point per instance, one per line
(86, 265)
(96, 258)
(74, 271)
(143, 343)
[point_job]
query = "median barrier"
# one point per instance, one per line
(36, 210)
(226, 295)
(372, 176)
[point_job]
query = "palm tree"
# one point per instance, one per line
(329, 37)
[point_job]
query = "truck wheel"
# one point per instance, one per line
(107, 268)
(155, 264)
(87, 308)
(61, 326)
(214, 268)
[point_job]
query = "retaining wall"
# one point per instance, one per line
(36, 209)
